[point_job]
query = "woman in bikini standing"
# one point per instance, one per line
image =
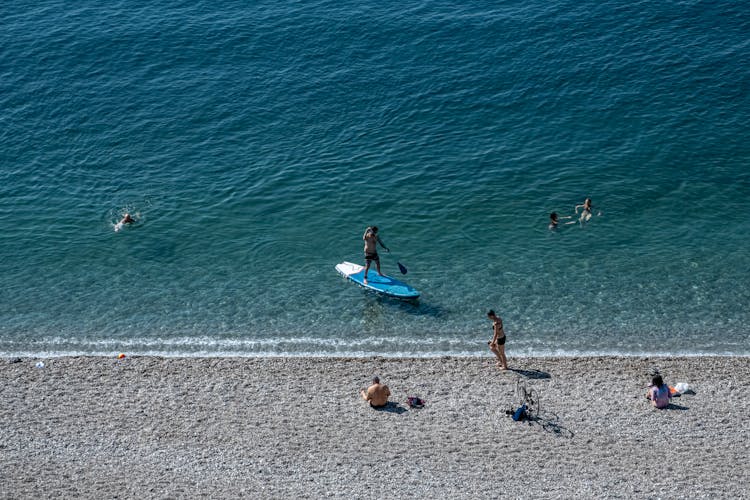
(497, 344)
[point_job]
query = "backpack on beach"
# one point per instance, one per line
(520, 414)
(415, 402)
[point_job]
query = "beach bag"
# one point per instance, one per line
(520, 414)
(415, 402)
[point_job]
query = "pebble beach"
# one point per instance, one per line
(208, 348)
(149, 427)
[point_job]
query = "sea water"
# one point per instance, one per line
(253, 142)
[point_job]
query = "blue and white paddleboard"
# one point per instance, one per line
(385, 285)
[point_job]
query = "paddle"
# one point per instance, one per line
(401, 267)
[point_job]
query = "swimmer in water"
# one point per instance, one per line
(126, 219)
(586, 212)
(554, 220)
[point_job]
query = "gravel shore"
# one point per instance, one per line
(97, 427)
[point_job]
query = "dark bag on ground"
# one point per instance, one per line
(520, 414)
(415, 402)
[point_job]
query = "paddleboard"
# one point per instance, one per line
(385, 285)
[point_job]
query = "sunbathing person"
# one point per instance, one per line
(377, 394)
(658, 392)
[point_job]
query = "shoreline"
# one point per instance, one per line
(270, 427)
(342, 357)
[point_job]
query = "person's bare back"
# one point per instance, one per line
(377, 394)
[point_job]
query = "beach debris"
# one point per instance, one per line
(14, 360)
(121, 356)
(39, 364)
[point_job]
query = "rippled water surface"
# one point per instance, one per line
(254, 143)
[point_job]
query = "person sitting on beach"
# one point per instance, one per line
(377, 394)
(658, 392)
(497, 344)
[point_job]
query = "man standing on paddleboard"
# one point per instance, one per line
(372, 239)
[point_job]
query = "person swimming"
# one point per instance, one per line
(554, 220)
(126, 219)
(586, 212)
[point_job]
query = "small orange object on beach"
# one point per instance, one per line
(120, 356)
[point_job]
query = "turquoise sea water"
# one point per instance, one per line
(254, 142)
